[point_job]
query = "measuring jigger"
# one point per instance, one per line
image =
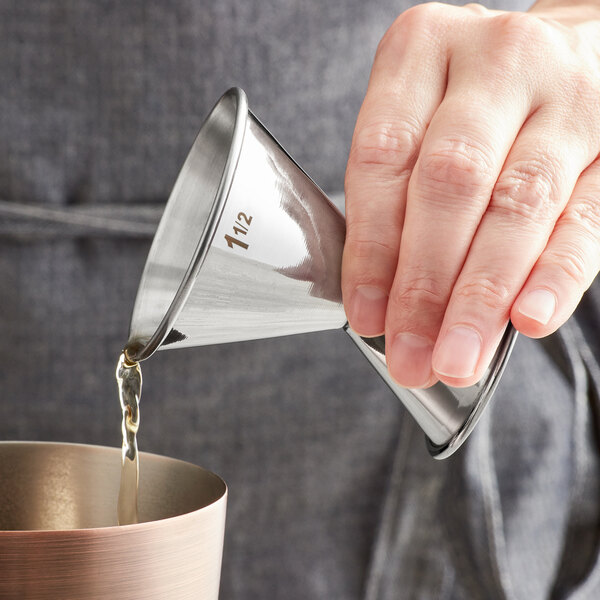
(249, 247)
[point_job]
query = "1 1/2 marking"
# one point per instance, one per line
(239, 229)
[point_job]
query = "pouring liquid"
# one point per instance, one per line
(129, 380)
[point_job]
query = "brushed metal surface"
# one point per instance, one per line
(59, 538)
(249, 247)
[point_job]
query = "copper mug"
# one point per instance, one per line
(59, 537)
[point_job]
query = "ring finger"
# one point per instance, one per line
(532, 191)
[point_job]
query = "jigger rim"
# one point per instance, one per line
(442, 451)
(144, 350)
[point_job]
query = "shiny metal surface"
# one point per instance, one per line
(447, 415)
(58, 532)
(187, 227)
(249, 247)
(286, 280)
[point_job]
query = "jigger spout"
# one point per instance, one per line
(249, 247)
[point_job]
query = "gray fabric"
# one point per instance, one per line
(332, 493)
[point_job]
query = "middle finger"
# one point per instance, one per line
(460, 159)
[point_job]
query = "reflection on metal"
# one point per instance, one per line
(446, 415)
(58, 526)
(249, 247)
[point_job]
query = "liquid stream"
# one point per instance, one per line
(129, 380)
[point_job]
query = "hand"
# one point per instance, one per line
(473, 184)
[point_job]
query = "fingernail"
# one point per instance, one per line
(410, 360)
(538, 305)
(368, 310)
(458, 353)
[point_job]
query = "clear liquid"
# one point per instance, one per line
(129, 379)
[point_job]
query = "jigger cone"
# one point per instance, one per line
(249, 247)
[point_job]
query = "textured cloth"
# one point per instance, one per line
(332, 492)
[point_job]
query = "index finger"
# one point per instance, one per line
(407, 84)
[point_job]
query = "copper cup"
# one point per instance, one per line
(59, 537)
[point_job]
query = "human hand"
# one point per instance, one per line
(473, 184)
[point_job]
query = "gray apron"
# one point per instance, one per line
(332, 493)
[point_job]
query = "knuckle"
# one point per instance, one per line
(576, 103)
(521, 31)
(476, 8)
(368, 248)
(368, 240)
(424, 13)
(457, 167)
(570, 262)
(527, 191)
(421, 19)
(418, 17)
(585, 216)
(390, 144)
(484, 290)
(583, 85)
(426, 291)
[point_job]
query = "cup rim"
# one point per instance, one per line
(113, 529)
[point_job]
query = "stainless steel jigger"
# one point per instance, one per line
(249, 247)
(59, 538)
